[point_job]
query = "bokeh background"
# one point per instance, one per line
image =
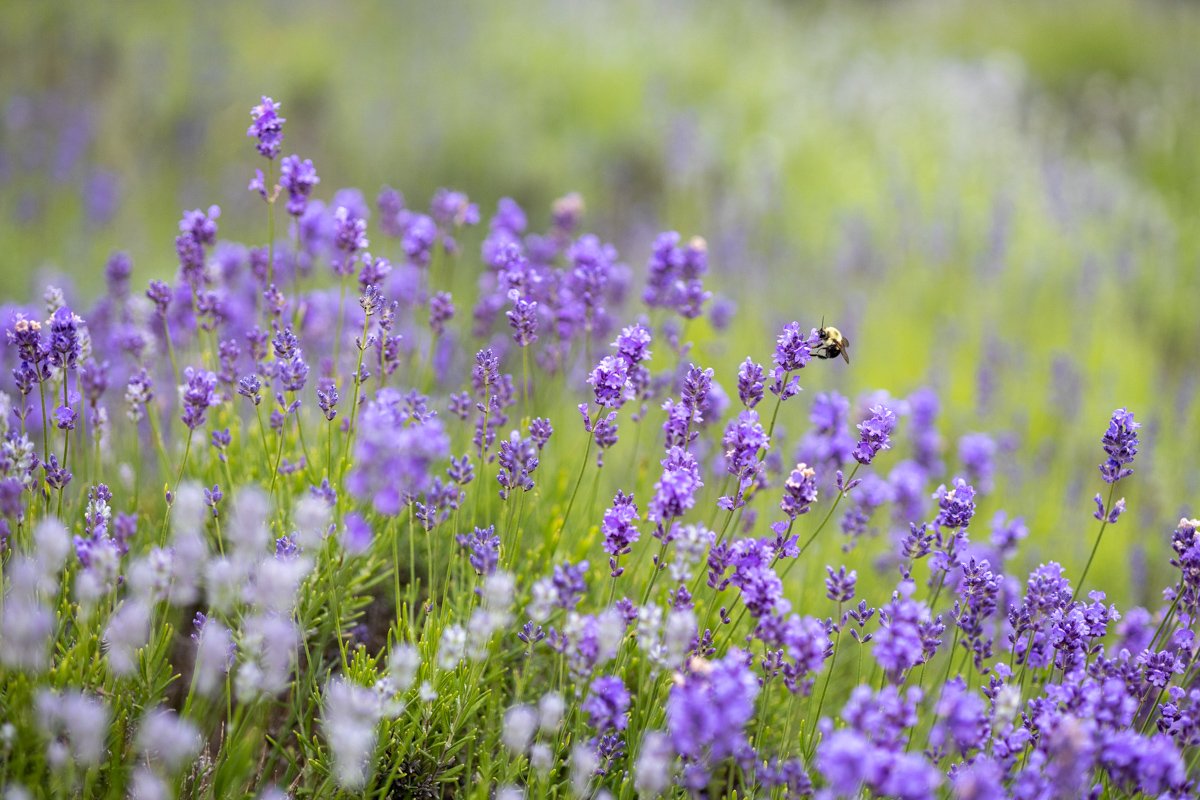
(996, 200)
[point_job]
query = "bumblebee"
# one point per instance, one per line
(832, 344)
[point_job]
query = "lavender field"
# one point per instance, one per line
(599, 401)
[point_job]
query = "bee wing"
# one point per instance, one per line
(846, 349)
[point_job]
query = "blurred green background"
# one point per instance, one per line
(996, 200)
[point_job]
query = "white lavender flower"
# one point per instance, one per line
(127, 632)
(677, 637)
(350, 717)
(584, 763)
(690, 545)
(224, 582)
(268, 653)
(76, 723)
(311, 517)
(551, 706)
(214, 654)
(100, 577)
(453, 647)
(167, 740)
(51, 546)
(498, 591)
(149, 577)
(520, 724)
(403, 663)
(276, 582)
(1008, 703)
(26, 623)
(541, 758)
(542, 598)
(188, 511)
(652, 774)
(248, 533)
(146, 784)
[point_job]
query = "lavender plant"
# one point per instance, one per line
(261, 538)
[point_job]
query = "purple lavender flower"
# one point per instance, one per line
(978, 593)
(840, 585)
(453, 209)
(393, 217)
(250, 387)
(395, 452)
(676, 275)
(610, 382)
(750, 383)
(956, 506)
(286, 548)
(923, 406)
(197, 230)
(799, 491)
(485, 374)
(198, 394)
(350, 236)
(1185, 543)
(160, 294)
(607, 704)
(522, 319)
(57, 477)
(1149, 765)
(373, 273)
(709, 708)
(1120, 442)
(484, 545)
(567, 212)
(676, 489)
(874, 434)
(619, 529)
(570, 583)
(117, 270)
(64, 339)
(65, 418)
(327, 400)
(441, 311)
(518, 459)
(267, 127)
(604, 433)
(693, 394)
(744, 438)
(419, 240)
(357, 536)
(977, 452)
(793, 349)
(298, 179)
(1109, 515)
(540, 430)
(633, 344)
(898, 645)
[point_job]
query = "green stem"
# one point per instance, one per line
(587, 451)
(1103, 524)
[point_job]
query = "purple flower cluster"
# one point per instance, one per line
(619, 529)
(1120, 442)
(793, 350)
(874, 434)
(267, 127)
(198, 394)
(707, 713)
(338, 498)
(676, 275)
(395, 452)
